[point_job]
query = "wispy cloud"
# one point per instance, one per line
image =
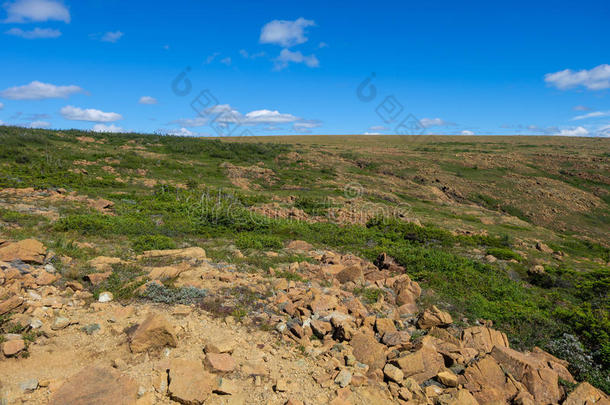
(40, 124)
(190, 122)
(78, 114)
(1, 106)
(36, 33)
(597, 78)
(24, 11)
(147, 100)
(581, 108)
(305, 126)
(107, 128)
(467, 132)
(287, 56)
(112, 36)
(38, 91)
(594, 114)
(181, 132)
(226, 61)
(249, 55)
(285, 33)
(211, 58)
(434, 122)
(378, 128)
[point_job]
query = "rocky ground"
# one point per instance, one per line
(331, 329)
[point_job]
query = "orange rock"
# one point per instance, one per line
(367, 350)
(483, 338)
(27, 250)
(154, 333)
(219, 362)
(96, 385)
(586, 394)
(189, 382)
(421, 365)
(434, 317)
(13, 347)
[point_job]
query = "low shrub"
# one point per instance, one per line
(152, 242)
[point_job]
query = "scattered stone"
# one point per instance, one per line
(154, 333)
(219, 362)
(299, 245)
(60, 322)
(543, 247)
(490, 259)
(98, 278)
(448, 378)
(106, 296)
(393, 373)
(483, 338)
(189, 383)
(222, 345)
(96, 385)
(434, 317)
(537, 269)
(367, 350)
(343, 378)
(91, 329)
(586, 394)
(13, 347)
(10, 304)
(29, 385)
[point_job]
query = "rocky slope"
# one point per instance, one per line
(330, 329)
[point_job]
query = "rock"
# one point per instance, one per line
(10, 304)
(384, 325)
(367, 350)
(393, 373)
(320, 328)
(447, 378)
(96, 385)
(189, 383)
(421, 365)
(586, 394)
(490, 259)
(483, 338)
(536, 270)
(541, 381)
(486, 380)
(196, 253)
(226, 387)
(461, 397)
(299, 245)
(106, 296)
(103, 264)
(13, 347)
(27, 250)
(351, 273)
(98, 278)
(543, 248)
(91, 329)
(219, 362)
(46, 278)
(343, 378)
(29, 385)
(60, 322)
(154, 333)
(222, 345)
(434, 317)
(396, 338)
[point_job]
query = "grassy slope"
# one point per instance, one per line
(482, 185)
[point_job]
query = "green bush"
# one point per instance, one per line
(152, 242)
(504, 254)
(166, 295)
(258, 241)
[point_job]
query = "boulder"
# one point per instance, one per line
(422, 364)
(586, 394)
(460, 397)
(396, 338)
(434, 317)
(351, 273)
(103, 264)
(154, 333)
(299, 245)
(96, 385)
(27, 250)
(393, 373)
(384, 325)
(486, 380)
(196, 253)
(447, 378)
(483, 338)
(97, 278)
(10, 304)
(189, 383)
(367, 350)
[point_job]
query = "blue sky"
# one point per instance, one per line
(271, 67)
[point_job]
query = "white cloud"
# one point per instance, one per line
(594, 114)
(268, 117)
(248, 55)
(191, 122)
(147, 100)
(36, 33)
(378, 128)
(433, 122)
(604, 131)
(22, 11)
(578, 131)
(78, 114)
(181, 132)
(285, 33)
(107, 128)
(287, 56)
(111, 36)
(38, 91)
(597, 78)
(467, 132)
(226, 61)
(581, 108)
(372, 133)
(39, 124)
(1, 106)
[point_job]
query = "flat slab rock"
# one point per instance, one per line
(97, 385)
